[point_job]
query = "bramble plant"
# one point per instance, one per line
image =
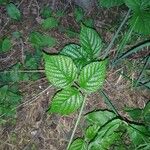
(76, 71)
(79, 70)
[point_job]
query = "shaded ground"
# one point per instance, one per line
(34, 128)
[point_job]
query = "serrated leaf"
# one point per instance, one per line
(60, 70)
(66, 101)
(107, 136)
(78, 144)
(91, 132)
(49, 23)
(142, 20)
(90, 41)
(137, 5)
(110, 3)
(76, 53)
(100, 117)
(39, 40)
(137, 134)
(92, 76)
(6, 45)
(13, 11)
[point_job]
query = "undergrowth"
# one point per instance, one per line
(79, 70)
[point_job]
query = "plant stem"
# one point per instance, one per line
(77, 122)
(116, 34)
(25, 71)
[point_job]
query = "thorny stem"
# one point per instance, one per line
(77, 122)
(116, 34)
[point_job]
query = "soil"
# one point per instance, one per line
(35, 129)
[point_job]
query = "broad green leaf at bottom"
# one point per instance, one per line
(66, 101)
(78, 144)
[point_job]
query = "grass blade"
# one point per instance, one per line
(132, 50)
(125, 40)
(143, 69)
(116, 35)
(109, 103)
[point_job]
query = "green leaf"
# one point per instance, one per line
(78, 144)
(8, 101)
(60, 70)
(3, 2)
(100, 117)
(3, 91)
(13, 11)
(137, 134)
(6, 45)
(146, 113)
(66, 101)
(110, 3)
(107, 136)
(49, 23)
(76, 53)
(137, 5)
(46, 12)
(90, 41)
(89, 22)
(135, 114)
(142, 20)
(79, 14)
(39, 40)
(92, 76)
(91, 132)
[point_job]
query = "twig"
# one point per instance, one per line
(38, 7)
(22, 51)
(77, 122)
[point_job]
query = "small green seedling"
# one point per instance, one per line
(13, 12)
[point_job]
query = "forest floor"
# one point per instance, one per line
(35, 129)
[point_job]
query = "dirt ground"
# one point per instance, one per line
(35, 129)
